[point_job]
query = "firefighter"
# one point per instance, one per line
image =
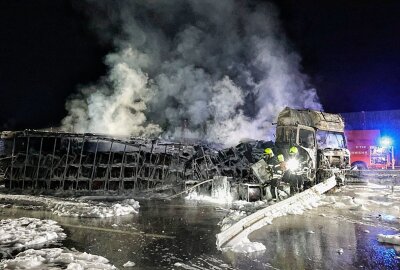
(293, 175)
(293, 151)
(275, 168)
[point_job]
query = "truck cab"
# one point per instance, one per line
(320, 140)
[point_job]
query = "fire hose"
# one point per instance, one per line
(189, 189)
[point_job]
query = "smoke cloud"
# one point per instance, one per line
(214, 70)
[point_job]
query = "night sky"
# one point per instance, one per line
(350, 50)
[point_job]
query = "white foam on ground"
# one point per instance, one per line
(296, 204)
(95, 210)
(372, 197)
(249, 206)
(75, 208)
(231, 218)
(194, 196)
(390, 239)
(129, 264)
(240, 209)
(23, 233)
(345, 202)
(245, 208)
(202, 262)
(56, 258)
(246, 246)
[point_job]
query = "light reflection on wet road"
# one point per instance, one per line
(314, 242)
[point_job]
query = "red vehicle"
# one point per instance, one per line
(365, 152)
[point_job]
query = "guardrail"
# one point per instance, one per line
(387, 177)
(245, 226)
(373, 172)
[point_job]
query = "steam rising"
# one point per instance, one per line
(215, 70)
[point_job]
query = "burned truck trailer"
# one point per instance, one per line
(69, 161)
(54, 160)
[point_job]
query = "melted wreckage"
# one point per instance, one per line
(68, 161)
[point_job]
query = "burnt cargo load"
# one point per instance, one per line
(69, 161)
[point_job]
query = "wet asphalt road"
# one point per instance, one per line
(181, 235)
(331, 238)
(315, 242)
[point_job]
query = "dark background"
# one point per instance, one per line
(350, 50)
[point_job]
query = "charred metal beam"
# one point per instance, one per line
(12, 163)
(94, 165)
(78, 173)
(38, 164)
(122, 168)
(108, 170)
(26, 162)
(66, 163)
(51, 176)
(135, 184)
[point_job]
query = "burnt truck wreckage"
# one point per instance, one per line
(322, 153)
(69, 161)
(40, 160)
(320, 139)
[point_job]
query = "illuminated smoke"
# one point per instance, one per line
(214, 70)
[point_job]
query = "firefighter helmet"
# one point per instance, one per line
(293, 150)
(268, 151)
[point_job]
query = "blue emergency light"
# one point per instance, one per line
(386, 142)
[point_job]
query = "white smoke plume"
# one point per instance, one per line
(214, 70)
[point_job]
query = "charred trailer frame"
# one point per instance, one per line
(68, 161)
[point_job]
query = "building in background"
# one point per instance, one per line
(373, 137)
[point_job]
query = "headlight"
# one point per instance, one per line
(293, 164)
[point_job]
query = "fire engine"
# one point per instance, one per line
(369, 150)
